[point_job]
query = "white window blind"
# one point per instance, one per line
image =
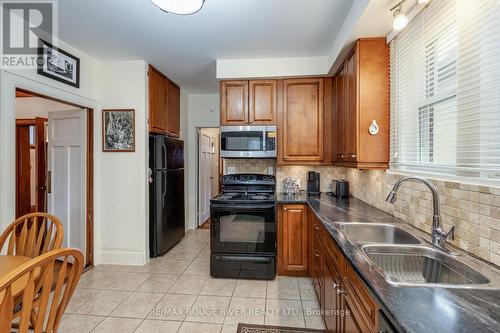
(445, 90)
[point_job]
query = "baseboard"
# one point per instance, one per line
(121, 258)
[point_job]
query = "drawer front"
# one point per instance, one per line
(360, 295)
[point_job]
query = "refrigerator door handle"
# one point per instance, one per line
(164, 189)
(164, 155)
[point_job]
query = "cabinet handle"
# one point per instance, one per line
(340, 292)
(342, 156)
(335, 286)
(353, 155)
(285, 209)
(316, 254)
(316, 227)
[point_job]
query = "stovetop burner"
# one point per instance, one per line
(231, 196)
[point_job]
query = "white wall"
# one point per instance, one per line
(121, 179)
(199, 115)
(32, 107)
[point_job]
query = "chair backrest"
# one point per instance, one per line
(39, 278)
(32, 235)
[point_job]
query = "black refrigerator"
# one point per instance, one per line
(166, 193)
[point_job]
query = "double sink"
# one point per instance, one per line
(407, 260)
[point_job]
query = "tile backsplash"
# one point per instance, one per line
(262, 166)
(473, 209)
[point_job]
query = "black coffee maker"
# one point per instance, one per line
(313, 183)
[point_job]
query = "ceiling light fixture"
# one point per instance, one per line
(423, 2)
(179, 7)
(400, 20)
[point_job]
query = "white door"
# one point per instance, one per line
(67, 173)
(204, 182)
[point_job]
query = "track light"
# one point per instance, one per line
(400, 20)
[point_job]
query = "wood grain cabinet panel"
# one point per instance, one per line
(234, 103)
(262, 102)
(173, 109)
(302, 125)
(292, 240)
(361, 93)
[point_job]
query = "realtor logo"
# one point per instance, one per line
(24, 23)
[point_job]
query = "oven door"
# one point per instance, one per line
(243, 141)
(243, 228)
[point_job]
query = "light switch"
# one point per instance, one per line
(231, 170)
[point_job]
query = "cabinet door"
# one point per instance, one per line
(332, 303)
(352, 111)
(350, 323)
(173, 107)
(262, 102)
(292, 240)
(303, 120)
(234, 103)
(157, 101)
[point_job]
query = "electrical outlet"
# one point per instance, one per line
(231, 170)
(270, 171)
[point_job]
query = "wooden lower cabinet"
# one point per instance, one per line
(292, 240)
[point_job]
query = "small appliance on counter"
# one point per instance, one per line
(313, 183)
(340, 188)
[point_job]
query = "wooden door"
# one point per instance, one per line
(302, 120)
(158, 86)
(41, 164)
(173, 109)
(332, 299)
(234, 103)
(292, 240)
(262, 102)
(23, 170)
(352, 111)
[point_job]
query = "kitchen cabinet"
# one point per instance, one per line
(361, 106)
(248, 102)
(346, 303)
(164, 104)
(292, 240)
(305, 121)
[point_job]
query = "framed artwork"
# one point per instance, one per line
(118, 130)
(58, 65)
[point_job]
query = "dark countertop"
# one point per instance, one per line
(411, 309)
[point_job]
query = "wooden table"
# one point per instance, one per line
(9, 264)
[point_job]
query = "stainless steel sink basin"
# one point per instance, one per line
(377, 233)
(420, 265)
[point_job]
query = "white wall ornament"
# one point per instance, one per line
(373, 129)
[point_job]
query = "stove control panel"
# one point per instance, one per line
(248, 179)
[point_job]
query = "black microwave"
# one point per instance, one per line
(248, 141)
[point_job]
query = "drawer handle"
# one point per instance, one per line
(316, 254)
(340, 291)
(316, 227)
(353, 155)
(335, 286)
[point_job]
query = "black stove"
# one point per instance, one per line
(243, 228)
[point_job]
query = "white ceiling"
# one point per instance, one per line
(186, 47)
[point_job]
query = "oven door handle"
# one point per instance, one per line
(243, 258)
(244, 207)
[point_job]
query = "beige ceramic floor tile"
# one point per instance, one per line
(312, 315)
(283, 287)
(203, 256)
(158, 326)
(104, 303)
(117, 325)
(209, 309)
(172, 307)
(282, 312)
(250, 288)
(188, 284)
(306, 288)
(171, 266)
(246, 310)
(219, 287)
(229, 328)
(138, 305)
(80, 297)
(117, 268)
(188, 327)
(158, 283)
(201, 268)
(97, 279)
(128, 281)
(79, 323)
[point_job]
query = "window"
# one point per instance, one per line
(445, 91)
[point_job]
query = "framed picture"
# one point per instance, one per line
(118, 130)
(58, 65)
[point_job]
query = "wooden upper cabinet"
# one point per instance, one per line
(292, 240)
(173, 107)
(234, 103)
(157, 101)
(262, 102)
(362, 99)
(164, 104)
(302, 123)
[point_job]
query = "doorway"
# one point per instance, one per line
(208, 172)
(54, 158)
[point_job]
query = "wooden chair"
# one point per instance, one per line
(34, 280)
(32, 235)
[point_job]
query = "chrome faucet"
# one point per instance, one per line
(439, 236)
